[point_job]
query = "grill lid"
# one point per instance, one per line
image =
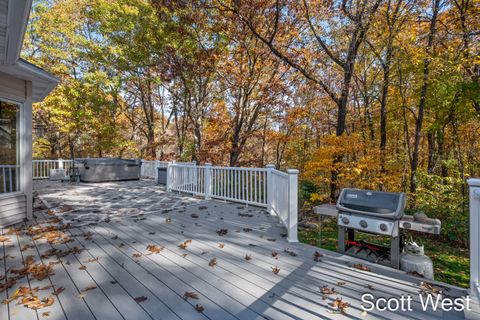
(373, 203)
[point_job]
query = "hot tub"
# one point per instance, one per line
(107, 169)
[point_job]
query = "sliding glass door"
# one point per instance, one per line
(9, 147)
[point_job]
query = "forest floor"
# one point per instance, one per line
(451, 263)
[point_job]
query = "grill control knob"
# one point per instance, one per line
(363, 224)
(345, 220)
(383, 227)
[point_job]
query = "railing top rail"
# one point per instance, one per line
(280, 173)
(8, 166)
(219, 167)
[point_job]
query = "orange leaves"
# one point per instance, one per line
(5, 239)
(360, 266)
(39, 271)
(185, 244)
(340, 305)
(29, 298)
(154, 249)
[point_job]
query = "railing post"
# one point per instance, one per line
(270, 168)
(208, 180)
(156, 166)
(60, 163)
(292, 223)
(474, 240)
(169, 177)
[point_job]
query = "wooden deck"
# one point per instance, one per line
(114, 254)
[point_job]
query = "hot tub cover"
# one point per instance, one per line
(108, 161)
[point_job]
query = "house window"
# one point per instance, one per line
(9, 147)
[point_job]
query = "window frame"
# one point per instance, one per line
(20, 147)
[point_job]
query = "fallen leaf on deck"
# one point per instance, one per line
(341, 283)
(248, 215)
(340, 305)
(416, 274)
(194, 215)
(83, 268)
(427, 286)
(274, 254)
(275, 269)
(248, 257)
(154, 249)
(140, 299)
(363, 314)
(184, 244)
(221, 245)
(92, 287)
(247, 229)
(360, 266)
(316, 256)
(26, 247)
(91, 260)
(58, 291)
(190, 295)
(46, 314)
(290, 252)
(5, 239)
(271, 239)
(199, 308)
(7, 301)
(168, 220)
(213, 262)
(325, 290)
(137, 255)
(370, 287)
(222, 232)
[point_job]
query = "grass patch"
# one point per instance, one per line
(450, 263)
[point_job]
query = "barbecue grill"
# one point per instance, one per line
(372, 212)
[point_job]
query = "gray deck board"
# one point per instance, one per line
(300, 285)
(4, 314)
(134, 213)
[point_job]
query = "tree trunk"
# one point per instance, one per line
(423, 97)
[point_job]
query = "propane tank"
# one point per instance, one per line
(414, 260)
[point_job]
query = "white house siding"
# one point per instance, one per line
(16, 207)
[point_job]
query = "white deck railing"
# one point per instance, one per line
(41, 168)
(264, 187)
(8, 178)
(149, 167)
(474, 239)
